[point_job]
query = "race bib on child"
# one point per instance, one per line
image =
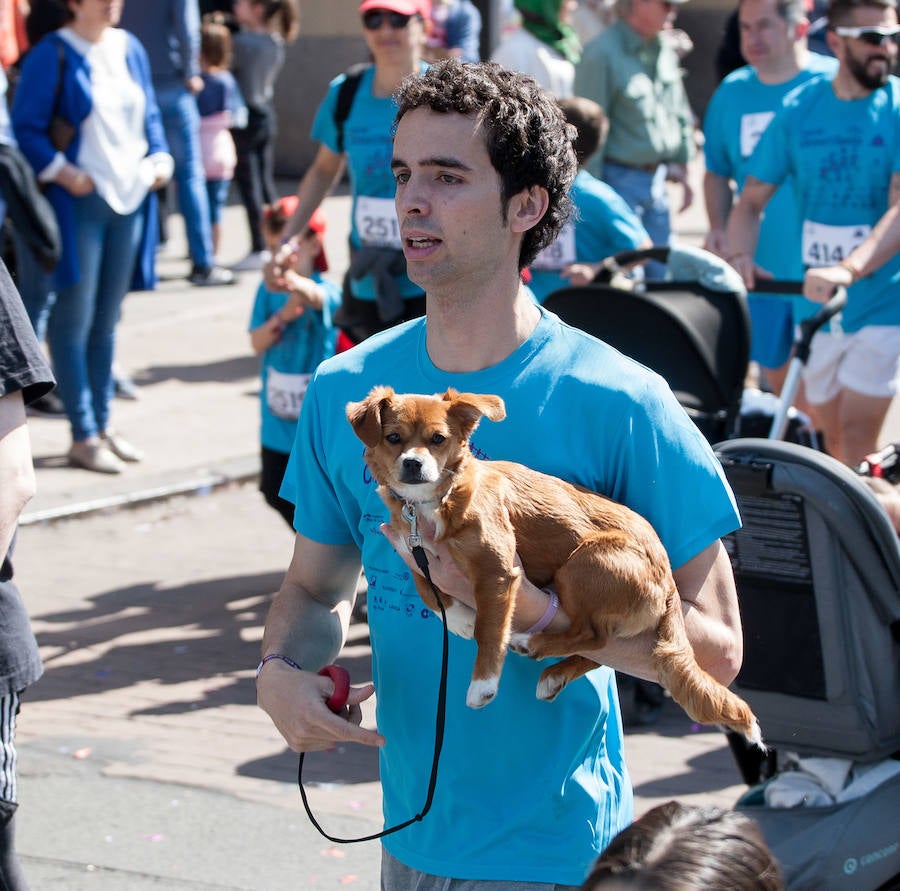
(560, 253)
(376, 222)
(825, 245)
(285, 392)
(752, 128)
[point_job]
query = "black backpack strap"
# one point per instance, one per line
(346, 95)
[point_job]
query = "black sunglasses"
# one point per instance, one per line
(373, 18)
(872, 36)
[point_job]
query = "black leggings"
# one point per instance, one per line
(271, 474)
(255, 170)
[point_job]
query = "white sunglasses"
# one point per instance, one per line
(872, 36)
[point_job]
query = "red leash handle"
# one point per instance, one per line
(340, 677)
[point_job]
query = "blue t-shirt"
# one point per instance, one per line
(527, 790)
(602, 225)
(841, 155)
(737, 115)
(368, 147)
(287, 366)
(221, 93)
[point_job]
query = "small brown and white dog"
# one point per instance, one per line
(605, 562)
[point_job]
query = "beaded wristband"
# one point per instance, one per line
(853, 269)
(280, 656)
(549, 613)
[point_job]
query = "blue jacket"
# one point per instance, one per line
(31, 114)
(170, 32)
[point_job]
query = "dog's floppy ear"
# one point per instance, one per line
(365, 416)
(469, 408)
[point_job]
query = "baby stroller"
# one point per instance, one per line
(817, 566)
(693, 328)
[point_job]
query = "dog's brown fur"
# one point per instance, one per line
(605, 561)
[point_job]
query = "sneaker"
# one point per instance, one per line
(49, 404)
(120, 447)
(92, 454)
(211, 277)
(253, 262)
(124, 387)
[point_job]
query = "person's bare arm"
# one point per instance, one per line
(315, 185)
(17, 479)
(317, 182)
(705, 585)
(308, 623)
(742, 231)
(719, 197)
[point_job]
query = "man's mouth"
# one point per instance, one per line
(420, 242)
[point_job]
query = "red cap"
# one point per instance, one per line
(318, 223)
(404, 7)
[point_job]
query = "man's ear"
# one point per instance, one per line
(801, 29)
(527, 208)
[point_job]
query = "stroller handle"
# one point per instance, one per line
(805, 331)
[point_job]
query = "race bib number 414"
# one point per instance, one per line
(825, 245)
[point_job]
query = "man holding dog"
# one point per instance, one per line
(528, 792)
(839, 139)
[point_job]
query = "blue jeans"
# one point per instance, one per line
(645, 192)
(81, 328)
(35, 286)
(181, 121)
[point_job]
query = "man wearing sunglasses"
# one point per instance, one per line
(840, 139)
(377, 292)
(632, 71)
(773, 41)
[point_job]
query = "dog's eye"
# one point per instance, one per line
(393, 438)
(437, 438)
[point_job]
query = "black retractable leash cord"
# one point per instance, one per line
(421, 559)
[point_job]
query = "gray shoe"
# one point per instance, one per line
(211, 277)
(120, 447)
(93, 454)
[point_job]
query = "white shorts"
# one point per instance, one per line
(867, 362)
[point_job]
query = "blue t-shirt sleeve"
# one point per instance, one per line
(328, 524)
(260, 311)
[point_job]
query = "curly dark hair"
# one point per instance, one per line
(527, 138)
(674, 847)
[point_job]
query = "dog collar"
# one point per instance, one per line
(409, 501)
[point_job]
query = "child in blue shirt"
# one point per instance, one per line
(293, 332)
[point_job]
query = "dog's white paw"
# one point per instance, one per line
(461, 620)
(548, 688)
(518, 643)
(482, 692)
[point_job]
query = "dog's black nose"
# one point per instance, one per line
(412, 470)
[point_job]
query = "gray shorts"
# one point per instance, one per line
(395, 876)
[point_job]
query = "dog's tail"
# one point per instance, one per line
(699, 694)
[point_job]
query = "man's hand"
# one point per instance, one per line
(715, 242)
(444, 571)
(819, 284)
(295, 701)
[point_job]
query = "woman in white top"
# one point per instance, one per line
(85, 116)
(544, 46)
